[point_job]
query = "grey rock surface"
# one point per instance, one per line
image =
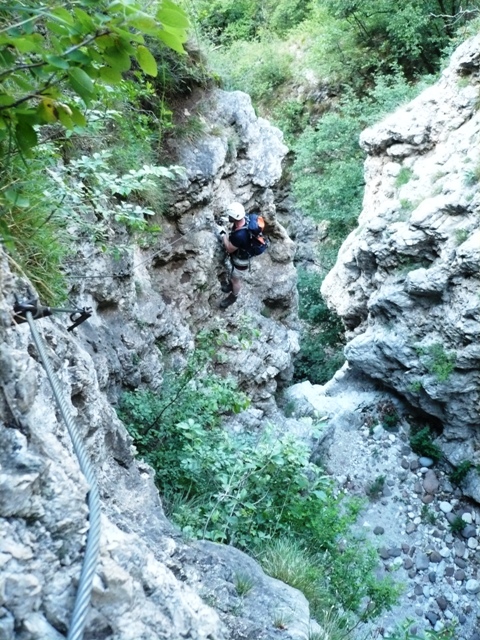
(406, 280)
(434, 564)
(147, 308)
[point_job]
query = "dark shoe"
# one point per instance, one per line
(227, 301)
(226, 286)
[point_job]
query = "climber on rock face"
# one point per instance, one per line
(236, 243)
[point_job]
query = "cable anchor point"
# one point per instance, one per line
(32, 305)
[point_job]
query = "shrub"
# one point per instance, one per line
(405, 174)
(422, 444)
(458, 475)
(321, 343)
(457, 525)
(461, 235)
(258, 68)
(33, 224)
(438, 361)
(376, 487)
(402, 632)
(89, 184)
(287, 14)
(315, 361)
(250, 489)
(340, 575)
(427, 515)
(328, 173)
(388, 414)
(414, 37)
(291, 117)
(225, 21)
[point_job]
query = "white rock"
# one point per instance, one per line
(472, 586)
(446, 507)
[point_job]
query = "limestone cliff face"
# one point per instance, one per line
(406, 281)
(147, 307)
(150, 304)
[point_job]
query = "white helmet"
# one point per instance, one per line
(236, 211)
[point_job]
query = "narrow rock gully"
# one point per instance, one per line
(426, 532)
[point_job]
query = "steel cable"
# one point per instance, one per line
(84, 591)
(193, 228)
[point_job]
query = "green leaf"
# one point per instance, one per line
(146, 61)
(78, 118)
(128, 36)
(79, 56)
(81, 83)
(171, 41)
(22, 82)
(6, 100)
(26, 136)
(28, 44)
(7, 58)
(84, 20)
(47, 111)
(182, 19)
(13, 197)
(109, 75)
(123, 42)
(6, 235)
(65, 116)
(104, 42)
(57, 27)
(143, 22)
(63, 14)
(118, 59)
(173, 17)
(56, 61)
(178, 33)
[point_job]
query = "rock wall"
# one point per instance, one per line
(160, 297)
(147, 308)
(406, 281)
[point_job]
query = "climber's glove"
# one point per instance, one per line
(220, 232)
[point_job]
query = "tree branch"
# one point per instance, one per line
(35, 94)
(463, 13)
(41, 63)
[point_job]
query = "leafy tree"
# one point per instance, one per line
(413, 36)
(55, 60)
(53, 57)
(226, 21)
(321, 344)
(328, 172)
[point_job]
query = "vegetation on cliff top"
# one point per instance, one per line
(70, 74)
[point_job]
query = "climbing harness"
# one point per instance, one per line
(29, 311)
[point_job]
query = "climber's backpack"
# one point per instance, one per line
(257, 242)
